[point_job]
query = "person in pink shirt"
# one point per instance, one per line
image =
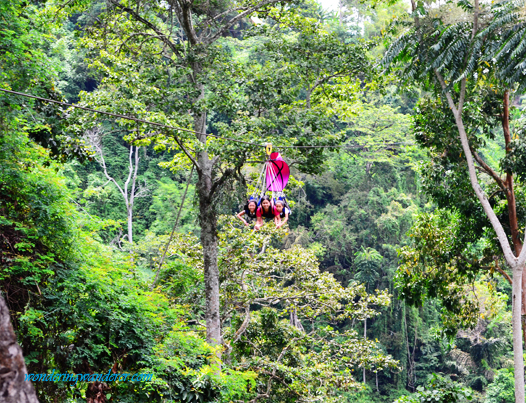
(266, 210)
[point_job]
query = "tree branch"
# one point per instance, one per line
(462, 95)
(501, 271)
(95, 140)
(238, 17)
(476, 13)
(186, 21)
(132, 35)
(185, 150)
(135, 14)
(219, 182)
(487, 169)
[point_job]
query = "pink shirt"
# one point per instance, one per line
(271, 213)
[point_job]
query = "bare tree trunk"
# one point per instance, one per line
(130, 200)
(512, 207)
(365, 337)
(128, 191)
(518, 360)
(14, 388)
(130, 223)
(410, 356)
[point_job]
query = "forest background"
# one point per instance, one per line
(330, 310)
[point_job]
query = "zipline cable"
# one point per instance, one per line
(173, 229)
(120, 116)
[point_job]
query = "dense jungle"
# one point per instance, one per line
(132, 132)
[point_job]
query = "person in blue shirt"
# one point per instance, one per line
(283, 213)
(249, 212)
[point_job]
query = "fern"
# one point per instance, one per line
(431, 46)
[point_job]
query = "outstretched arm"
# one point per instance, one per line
(285, 219)
(239, 215)
(259, 223)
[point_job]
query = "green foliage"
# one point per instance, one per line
(515, 160)
(502, 390)
(445, 177)
(23, 33)
(25, 67)
(378, 130)
(367, 263)
(440, 265)
(87, 308)
(165, 210)
(188, 366)
(292, 315)
(259, 292)
(36, 218)
(441, 390)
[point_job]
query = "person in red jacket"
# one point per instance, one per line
(266, 210)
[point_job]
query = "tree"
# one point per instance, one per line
(368, 263)
(259, 291)
(190, 77)
(452, 245)
(452, 50)
(129, 191)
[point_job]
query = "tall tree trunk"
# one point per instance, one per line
(133, 195)
(207, 216)
(518, 360)
(13, 385)
(512, 207)
(410, 356)
(208, 223)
